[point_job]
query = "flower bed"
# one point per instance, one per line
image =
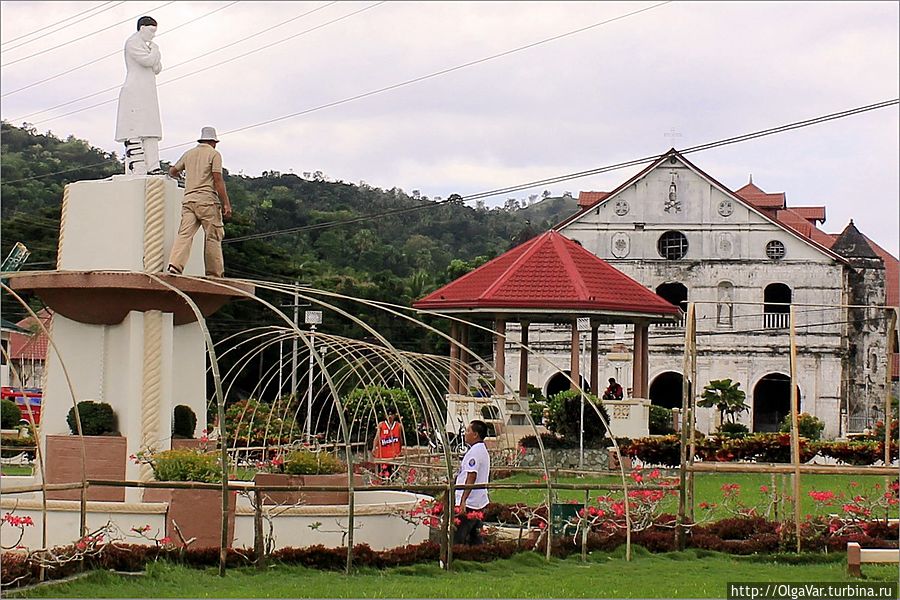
(759, 447)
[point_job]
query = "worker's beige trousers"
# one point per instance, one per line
(204, 212)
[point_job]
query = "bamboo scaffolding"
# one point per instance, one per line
(795, 431)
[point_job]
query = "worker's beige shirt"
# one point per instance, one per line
(199, 165)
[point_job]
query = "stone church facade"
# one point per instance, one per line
(744, 258)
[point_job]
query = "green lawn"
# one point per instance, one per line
(708, 488)
(15, 470)
(689, 574)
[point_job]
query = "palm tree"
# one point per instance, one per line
(726, 396)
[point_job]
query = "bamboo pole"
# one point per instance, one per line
(258, 542)
(795, 433)
(448, 521)
(22, 489)
(683, 448)
(584, 525)
(692, 392)
(784, 469)
(888, 412)
(368, 488)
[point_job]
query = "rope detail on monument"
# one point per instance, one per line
(151, 389)
(154, 221)
(62, 226)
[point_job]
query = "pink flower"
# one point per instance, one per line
(165, 541)
(764, 489)
(825, 496)
(654, 474)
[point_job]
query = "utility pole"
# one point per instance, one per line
(311, 318)
(296, 306)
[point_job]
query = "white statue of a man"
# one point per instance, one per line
(137, 122)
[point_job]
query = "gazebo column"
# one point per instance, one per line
(464, 358)
(523, 363)
(500, 354)
(645, 359)
(640, 361)
(454, 358)
(574, 362)
(595, 360)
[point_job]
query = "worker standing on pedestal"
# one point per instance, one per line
(205, 204)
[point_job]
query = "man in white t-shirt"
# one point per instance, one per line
(474, 468)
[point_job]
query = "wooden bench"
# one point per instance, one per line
(856, 556)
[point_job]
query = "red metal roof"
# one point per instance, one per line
(548, 272)
(28, 347)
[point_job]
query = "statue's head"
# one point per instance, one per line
(147, 27)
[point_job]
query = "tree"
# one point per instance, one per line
(726, 396)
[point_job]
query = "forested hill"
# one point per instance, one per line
(395, 258)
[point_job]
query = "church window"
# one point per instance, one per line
(672, 245)
(725, 304)
(775, 250)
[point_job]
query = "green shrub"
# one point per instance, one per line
(565, 416)
(254, 423)
(186, 465)
(807, 425)
(367, 406)
(97, 418)
(733, 430)
(305, 462)
(184, 422)
(862, 452)
(10, 415)
(660, 420)
(665, 450)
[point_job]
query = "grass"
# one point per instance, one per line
(689, 574)
(16, 470)
(708, 488)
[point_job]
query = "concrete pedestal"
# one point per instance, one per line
(120, 333)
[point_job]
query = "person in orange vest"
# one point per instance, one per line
(388, 441)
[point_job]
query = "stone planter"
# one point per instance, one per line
(105, 458)
(283, 498)
(304, 497)
(197, 513)
(190, 444)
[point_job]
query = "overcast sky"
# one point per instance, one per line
(678, 74)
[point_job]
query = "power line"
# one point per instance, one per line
(458, 199)
(68, 20)
(87, 35)
(110, 55)
(204, 68)
(640, 161)
(366, 94)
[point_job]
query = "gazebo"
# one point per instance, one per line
(549, 279)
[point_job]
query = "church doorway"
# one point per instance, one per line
(560, 383)
(772, 402)
(666, 390)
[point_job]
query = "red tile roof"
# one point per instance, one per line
(811, 213)
(796, 221)
(588, 199)
(548, 272)
(761, 199)
(28, 347)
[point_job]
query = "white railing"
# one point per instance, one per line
(671, 324)
(776, 320)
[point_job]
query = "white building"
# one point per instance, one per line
(743, 257)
